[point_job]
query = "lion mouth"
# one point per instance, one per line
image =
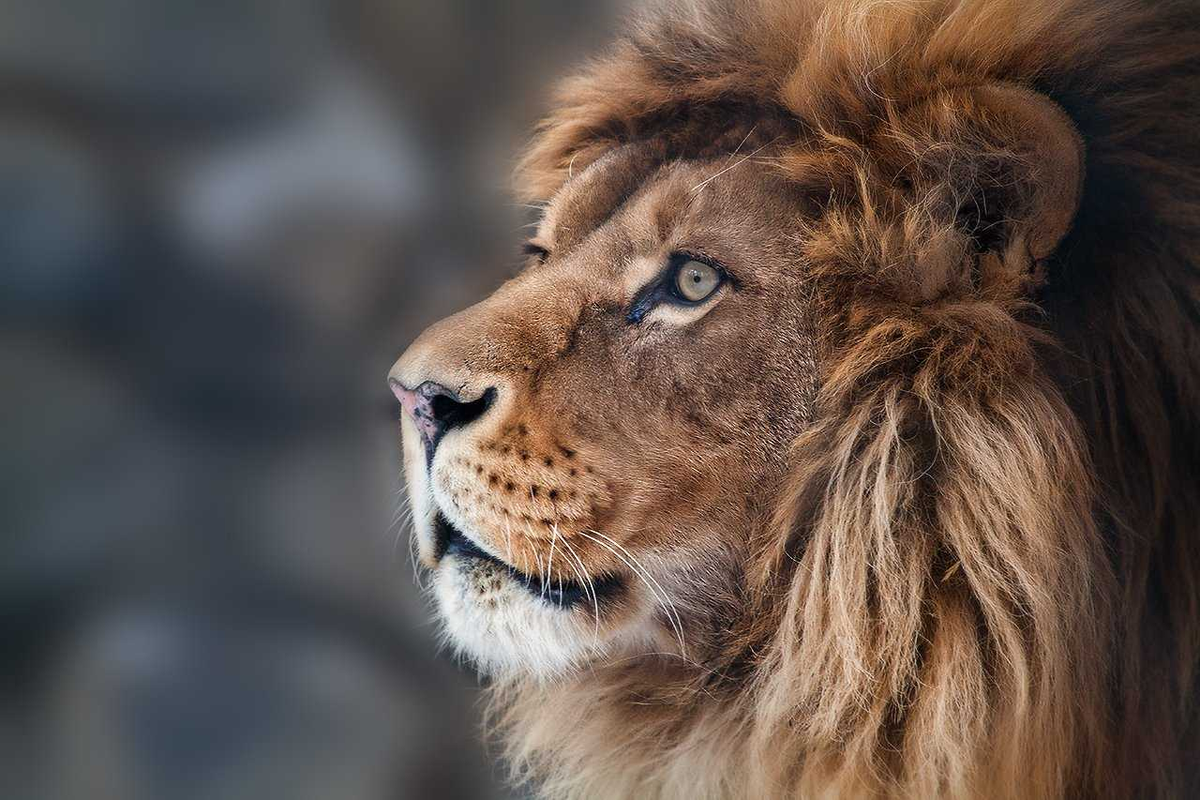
(559, 592)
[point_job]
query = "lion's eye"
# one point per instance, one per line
(687, 281)
(695, 280)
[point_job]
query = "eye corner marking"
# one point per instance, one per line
(532, 249)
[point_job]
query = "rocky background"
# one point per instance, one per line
(220, 223)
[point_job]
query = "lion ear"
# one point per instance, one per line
(1005, 165)
(1037, 127)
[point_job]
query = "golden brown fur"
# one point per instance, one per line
(967, 561)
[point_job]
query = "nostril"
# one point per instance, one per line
(450, 412)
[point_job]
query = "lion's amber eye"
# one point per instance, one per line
(696, 280)
(687, 281)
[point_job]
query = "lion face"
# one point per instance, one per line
(588, 449)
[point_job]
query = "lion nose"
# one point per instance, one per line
(437, 410)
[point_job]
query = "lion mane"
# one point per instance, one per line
(983, 577)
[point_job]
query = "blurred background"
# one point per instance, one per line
(220, 223)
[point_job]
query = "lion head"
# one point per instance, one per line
(796, 459)
(590, 447)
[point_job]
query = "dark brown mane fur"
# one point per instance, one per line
(983, 578)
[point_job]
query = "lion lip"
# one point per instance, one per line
(558, 592)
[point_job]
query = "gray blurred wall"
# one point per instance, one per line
(221, 222)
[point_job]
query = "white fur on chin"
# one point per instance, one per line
(494, 621)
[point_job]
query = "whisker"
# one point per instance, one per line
(738, 149)
(655, 588)
(550, 557)
(402, 522)
(588, 585)
(413, 550)
(541, 572)
(739, 162)
(508, 537)
(630, 555)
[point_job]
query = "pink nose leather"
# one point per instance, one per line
(419, 406)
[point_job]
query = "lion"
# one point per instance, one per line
(840, 436)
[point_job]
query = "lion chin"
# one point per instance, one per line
(510, 623)
(840, 436)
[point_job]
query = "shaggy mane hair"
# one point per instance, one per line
(983, 578)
